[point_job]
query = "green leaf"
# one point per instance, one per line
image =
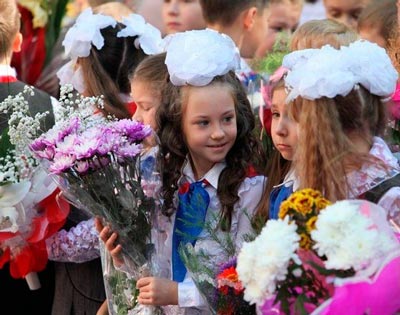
(5, 144)
(57, 9)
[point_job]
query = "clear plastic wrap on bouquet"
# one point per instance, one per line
(114, 192)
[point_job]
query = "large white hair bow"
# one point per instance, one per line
(149, 37)
(196, 57)
(328, 72)
(85, 32)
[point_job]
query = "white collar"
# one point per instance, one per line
(6, 70)
(211, 176)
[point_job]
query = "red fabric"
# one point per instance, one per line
(251, 172)
(7, 79)
(54, 213)
(4, 257)
(267, 120)
(131, 107)
(31, 256)
(29, 62)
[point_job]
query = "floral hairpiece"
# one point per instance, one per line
(85, 32)
(196, 57)
(149, 37)
(328, 72)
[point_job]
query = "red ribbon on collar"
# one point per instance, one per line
(7, 79)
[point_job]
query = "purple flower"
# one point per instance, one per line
(71, 126)
(38, 145)
(47, 153)
(133, 130)
(61, 163)
(128, 150)
(81, 166)
(108, 141)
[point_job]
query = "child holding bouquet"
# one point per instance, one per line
(100, 66)
(206, 131)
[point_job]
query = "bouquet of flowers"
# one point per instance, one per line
(98, 169)
(30, 210)
(317, 261)
(219, 285)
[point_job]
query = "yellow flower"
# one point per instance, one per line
(304, 205)
(311, 192)
(310, 224)
(40, 15)
(322, 203)
(305, 241)
(285, 208)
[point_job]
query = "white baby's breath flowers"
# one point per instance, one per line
(348, 234)
(18, 164)
(264, 262)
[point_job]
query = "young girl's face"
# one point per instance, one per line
(283, 128)
(345, 11)
(182, 15)
(147, 103)
(284, 17)
(209, 125)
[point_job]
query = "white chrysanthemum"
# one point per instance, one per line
(348, 237)
(264, 262)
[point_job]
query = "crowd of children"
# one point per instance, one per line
(333, 106)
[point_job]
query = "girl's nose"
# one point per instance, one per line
(281, 129)
(218, 133)
(173, 7)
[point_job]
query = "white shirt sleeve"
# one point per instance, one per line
(189, 295)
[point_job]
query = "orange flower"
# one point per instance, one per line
(229, 274)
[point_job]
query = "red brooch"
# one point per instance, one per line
(184, 188)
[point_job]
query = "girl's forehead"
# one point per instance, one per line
(345, 4)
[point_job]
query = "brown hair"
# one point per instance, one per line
(245, 152)
(9, 25)
(317, 33)
(106, 71)
(380, 15)
(154, 72)
(325, 155)
(225, 12)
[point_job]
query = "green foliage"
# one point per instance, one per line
(56, 11)
(273, 60)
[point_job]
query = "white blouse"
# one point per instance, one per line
(250, 192)
(372, 175)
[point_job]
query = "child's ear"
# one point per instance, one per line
(249, 18)
(17, 43)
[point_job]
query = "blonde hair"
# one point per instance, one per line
(9, 25)
(382, 16)
(317, 33)
(325, 155)
(115, 9)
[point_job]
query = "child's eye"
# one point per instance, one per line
(202, 123)
(276, 114)
(277, 29)
(228, 119)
